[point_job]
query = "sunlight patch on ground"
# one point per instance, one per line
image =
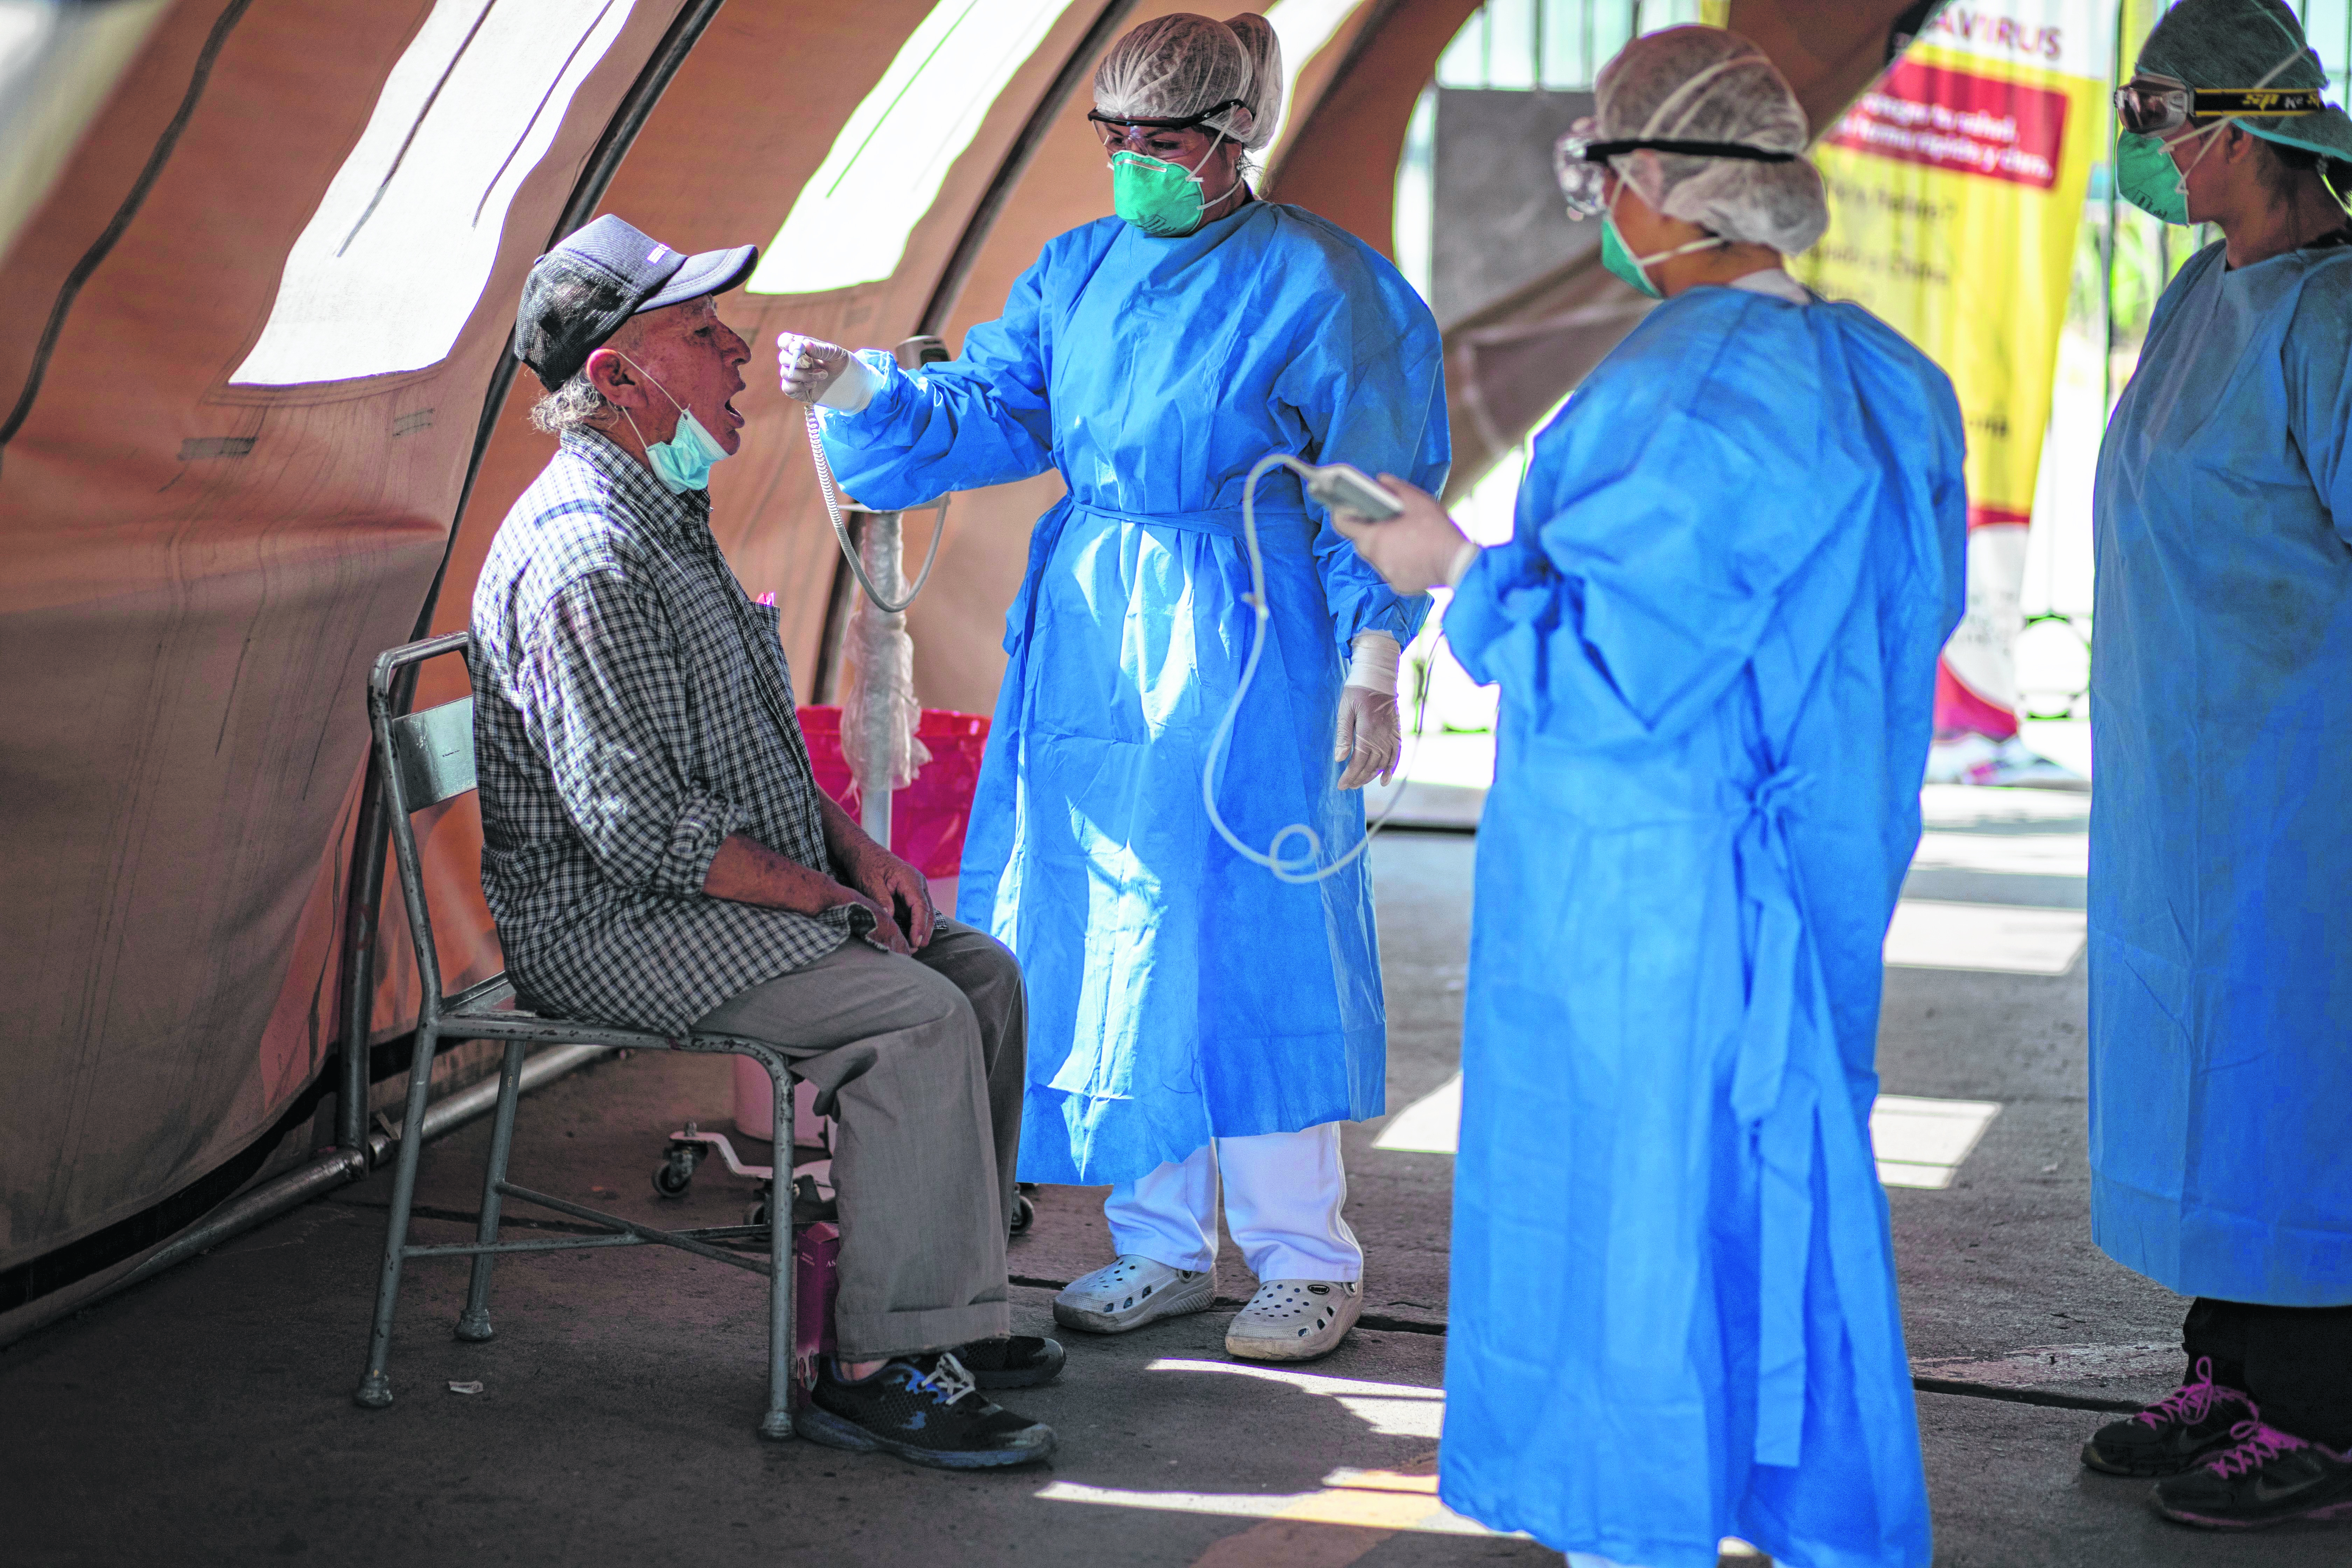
(1440, 757)
(1920, 1143)
(1365, 1499)
(2001, 939)
(1390, 1409)
(1430, 1125)
(2004, 810)
(2021, 853)
(1368, 1500)
(1371, 1500)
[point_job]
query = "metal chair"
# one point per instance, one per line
(425, 759)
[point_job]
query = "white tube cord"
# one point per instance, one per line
(841, 529)
(1287, 870)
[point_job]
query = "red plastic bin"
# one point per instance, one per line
(927, 819)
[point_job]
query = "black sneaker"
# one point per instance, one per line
(2268, 1478)
(922, 1408)
(1020, 1361)
(2192, 1423)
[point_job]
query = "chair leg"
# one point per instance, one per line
(375, 1388)
(783, 1275)
(474, 1322)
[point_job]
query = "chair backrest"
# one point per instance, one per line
(422, 760)
(433, 753)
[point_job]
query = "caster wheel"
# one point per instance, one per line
(809, 1205)
(1024, 1213)
(674, 1175)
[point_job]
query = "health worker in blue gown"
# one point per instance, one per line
(1191, 1015)
(1737, 551)
(2220, 889)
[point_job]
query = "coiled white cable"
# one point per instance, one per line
(1288, 870)
(841, 529)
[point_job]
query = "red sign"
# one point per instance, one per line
(1952, 119)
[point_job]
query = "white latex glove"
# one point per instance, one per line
(815, 371)
(1418, 550)
(1372, 735)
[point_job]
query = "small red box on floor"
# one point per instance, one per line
(816, 1274)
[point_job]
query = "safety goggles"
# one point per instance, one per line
(1580, 161)
(2152, 105)
(1117, 130)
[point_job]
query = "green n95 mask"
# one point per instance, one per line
(1161, 198)
(2147, 176)
(1626, 267)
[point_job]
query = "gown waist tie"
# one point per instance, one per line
(1788, 1061)
(1278, 521)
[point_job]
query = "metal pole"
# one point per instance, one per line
(449, 1114)
(2107, 271)
(879, 550)
(315, 1179)
(371, 848)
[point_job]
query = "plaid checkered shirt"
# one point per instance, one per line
(632, 709)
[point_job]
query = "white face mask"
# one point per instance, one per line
(683, 462)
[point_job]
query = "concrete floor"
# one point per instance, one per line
(205, 1417)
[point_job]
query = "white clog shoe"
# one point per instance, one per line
(1295, 1319)
(1131, 1292)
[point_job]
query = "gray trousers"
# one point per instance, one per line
(922, 1061)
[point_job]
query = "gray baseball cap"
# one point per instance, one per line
(579, 293)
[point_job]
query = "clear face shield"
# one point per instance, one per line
(1133, 132)
(1580, 160)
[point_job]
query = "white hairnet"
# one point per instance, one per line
(1176, 65)
(1704, 84)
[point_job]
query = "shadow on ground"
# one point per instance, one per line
(205, 1417)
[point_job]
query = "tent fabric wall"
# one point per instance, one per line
(200, 574)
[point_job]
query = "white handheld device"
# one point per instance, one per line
(1343, 486)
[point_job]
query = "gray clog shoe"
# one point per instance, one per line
(1131, 1292)
(1295, 1319)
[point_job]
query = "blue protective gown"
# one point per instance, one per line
(2222, 816)
(1737, 551)
(1177, 992)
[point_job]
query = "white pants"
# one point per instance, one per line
(1284, 1192)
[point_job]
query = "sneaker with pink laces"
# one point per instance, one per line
(2171, 1435)
(2266, 1476)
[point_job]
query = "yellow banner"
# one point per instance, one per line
(1956, 187)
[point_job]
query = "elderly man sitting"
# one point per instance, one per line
(657, 852)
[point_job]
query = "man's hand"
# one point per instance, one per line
(890, 885)
(1372, 735)
(807, 366)
(1418, 550)
(747, 871)
(883, 881)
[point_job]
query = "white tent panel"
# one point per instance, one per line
(401, 245)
